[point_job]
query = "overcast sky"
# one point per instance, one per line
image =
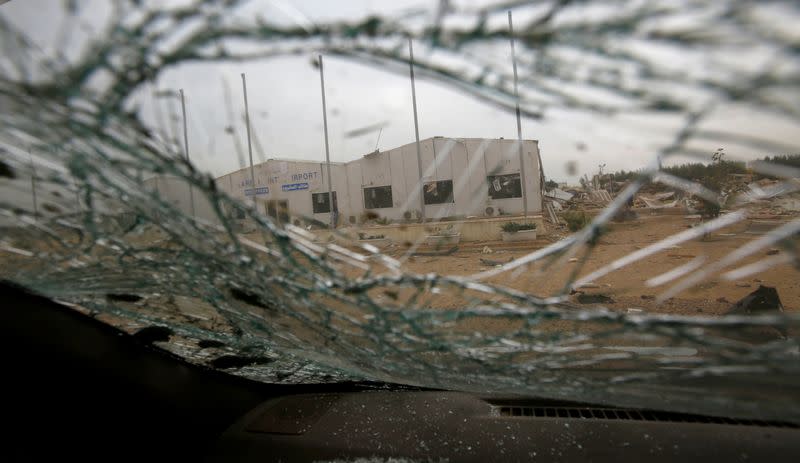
(285, 102)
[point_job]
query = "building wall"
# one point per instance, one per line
(353, 172)
(464, 161)
(290, 181)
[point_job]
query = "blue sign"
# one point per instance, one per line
(294, 186)
(256, 191)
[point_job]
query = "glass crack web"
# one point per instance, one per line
(277, 305)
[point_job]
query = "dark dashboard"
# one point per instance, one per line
(76, 387)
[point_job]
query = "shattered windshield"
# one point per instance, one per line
(594, 201)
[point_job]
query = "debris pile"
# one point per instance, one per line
(765, 198)
(765, 299)
(657, 201)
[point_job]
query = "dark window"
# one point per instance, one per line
(278, 210)
(378, 197)
(504, 186)
(438, 192)
(283, 211)
(320, 203)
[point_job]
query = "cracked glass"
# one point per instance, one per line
(643, 253)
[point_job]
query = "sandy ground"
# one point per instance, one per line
(627, 286)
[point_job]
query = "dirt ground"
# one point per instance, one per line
(626, 287)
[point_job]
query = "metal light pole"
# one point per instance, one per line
(249, 144)
(327, 150)
(416, 130)
(186, 150)
(237, 144)
(519, 123)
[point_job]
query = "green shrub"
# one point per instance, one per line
(792, 160)
(709, 209)
(576, 220)
(512, 227)
(720, 168)
(364, 236)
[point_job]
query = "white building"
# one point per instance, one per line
(462, 177)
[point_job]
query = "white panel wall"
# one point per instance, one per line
(410, 177)
(443, 149)
(459, 163)
(426, 149)
(502, 157)
(340, 187)
(475, 190)
(401, 187)
(442, 169)
(533, 180)
(355, 180)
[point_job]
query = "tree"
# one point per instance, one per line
(720, 169)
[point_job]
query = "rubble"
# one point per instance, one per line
(550, 208)
(584, 298)
(559, 195)
(766, 189)
(764, 299)
(600, 196)
(659, 200)
(494, 263)
(440, 252)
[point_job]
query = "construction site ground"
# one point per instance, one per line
(627, 286)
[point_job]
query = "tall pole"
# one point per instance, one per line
(249, 144)
(327, 150)
(186, 150)
(237, 144)
(519, 123)
(416, 130)
(33, 185)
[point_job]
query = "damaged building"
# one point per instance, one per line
(461, 177)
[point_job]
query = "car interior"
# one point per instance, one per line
(80, 388)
